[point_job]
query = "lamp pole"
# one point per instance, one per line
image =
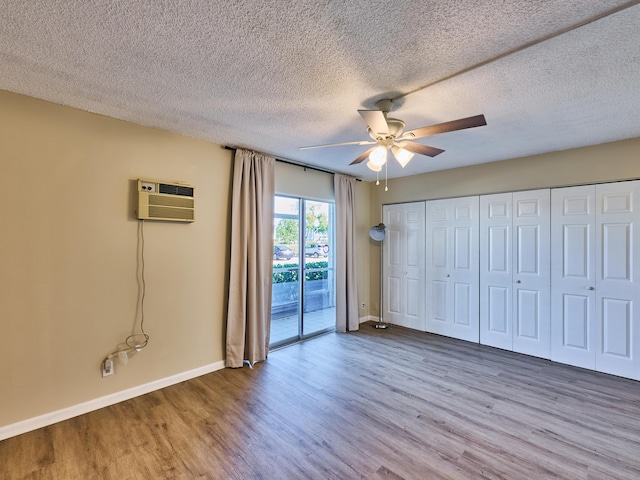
(378, 233)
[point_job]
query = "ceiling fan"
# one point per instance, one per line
(388, 134)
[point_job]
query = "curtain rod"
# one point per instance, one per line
(288, 162)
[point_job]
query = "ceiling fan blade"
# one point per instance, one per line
(376, 121)
(362, 142)
(421, 149)
(362, 157)
(461, 124)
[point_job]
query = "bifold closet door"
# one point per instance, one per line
(496, 271)
(617, 286)
(404, 260)
(515, 272)
(595, 291)
(532, 273)
(573, 276)
(452, 268)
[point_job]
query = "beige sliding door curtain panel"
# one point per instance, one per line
(249, 312)
(346, 274)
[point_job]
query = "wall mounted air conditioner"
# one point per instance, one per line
(173, 202)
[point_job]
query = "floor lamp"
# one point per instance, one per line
(377, 233)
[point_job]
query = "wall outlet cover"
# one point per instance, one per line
(107, 367)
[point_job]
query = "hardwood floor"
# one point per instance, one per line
(376, 404)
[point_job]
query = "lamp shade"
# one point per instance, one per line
(403, 156)
(372, 166)
(377, 232)
(378, 156)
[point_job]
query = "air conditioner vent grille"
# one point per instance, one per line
(170, 212)
(175, 189)
(171, 201)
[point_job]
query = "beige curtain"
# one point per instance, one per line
(346, 282)
(249, 312)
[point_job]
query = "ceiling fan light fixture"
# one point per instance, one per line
(373, 167)
(378, 156)
(402, 155)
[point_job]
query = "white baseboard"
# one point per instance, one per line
(372, 318)
(30, 424)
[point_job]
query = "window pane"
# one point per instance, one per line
(286, 286)
(319, 281)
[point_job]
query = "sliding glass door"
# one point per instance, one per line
(303, 298)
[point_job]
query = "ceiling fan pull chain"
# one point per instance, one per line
(386, 176)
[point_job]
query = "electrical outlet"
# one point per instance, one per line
(107, 367)
(363, 306)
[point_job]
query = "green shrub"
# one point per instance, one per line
(290, 273)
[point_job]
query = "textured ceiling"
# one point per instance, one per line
(277, 75)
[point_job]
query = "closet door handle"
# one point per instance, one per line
(590, 288)
(518, 281)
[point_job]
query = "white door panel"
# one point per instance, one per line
(404, 254)
(438, 272)
(578, 316)
(437, 320)
(461, 304)
(499, 249)
(496, 274)
(413, 296)
(573, 276)
(393, 295)
(452, 268)
(499, 316)
(527, 314)
(532, 273)
(465, 274)
(617, 335)
(462, 248)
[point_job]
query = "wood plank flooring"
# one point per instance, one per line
(376, 404)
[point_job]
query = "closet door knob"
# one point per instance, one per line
(518, 281)
(590, 288)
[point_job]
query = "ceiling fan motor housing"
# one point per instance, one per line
(396, 127)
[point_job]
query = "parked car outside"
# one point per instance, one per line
(316, 250)
(280, 252)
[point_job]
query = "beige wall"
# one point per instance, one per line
(68, 255)
(599, 163)
(363, 215)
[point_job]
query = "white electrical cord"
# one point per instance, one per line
(136, 341)
(140, 340)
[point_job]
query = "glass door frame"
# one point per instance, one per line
(302, 269)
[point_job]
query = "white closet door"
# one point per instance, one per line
(404, 259)
(496, 273)
(438, 318)
(532, 273)
(573, 278)
(617, 335)
(465, 269)
(452, 268)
